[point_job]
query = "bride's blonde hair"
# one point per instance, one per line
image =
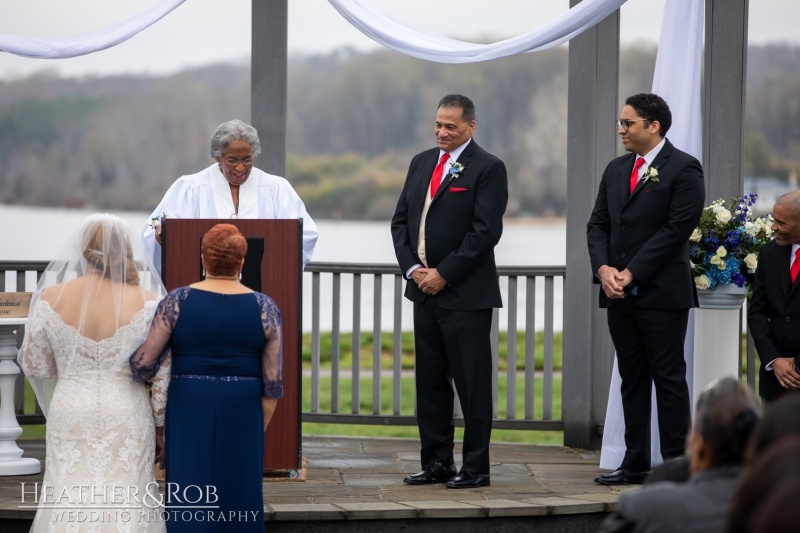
(107, 248)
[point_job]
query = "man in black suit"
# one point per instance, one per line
(448, 220)
(648, 204)
(773, 313)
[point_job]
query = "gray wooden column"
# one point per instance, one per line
(268, 71)
(592, 143)
(725, 68)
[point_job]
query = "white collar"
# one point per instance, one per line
(650, 156)
(455, 154)
(223, 200)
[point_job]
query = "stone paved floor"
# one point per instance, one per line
(362, 478)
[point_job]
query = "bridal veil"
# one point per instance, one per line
(96, 283)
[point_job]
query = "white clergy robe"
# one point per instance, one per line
(207, 195)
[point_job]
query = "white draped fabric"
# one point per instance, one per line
(89, 42)
(407, 40)
(677, 80)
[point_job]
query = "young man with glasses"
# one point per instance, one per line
(648, 204)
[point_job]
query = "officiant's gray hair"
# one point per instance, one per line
(234, 130)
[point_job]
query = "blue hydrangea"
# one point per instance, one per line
(723, 277)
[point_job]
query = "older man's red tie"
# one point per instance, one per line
(795, 265)
(436, 177)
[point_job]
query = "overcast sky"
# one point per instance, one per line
(205, 31)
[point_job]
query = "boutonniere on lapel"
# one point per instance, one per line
(455, 171)
(651, 174)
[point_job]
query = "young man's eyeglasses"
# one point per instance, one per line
(625, 123)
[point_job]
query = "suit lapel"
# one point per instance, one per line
(425, 176)
(784, 254)
(625, 179)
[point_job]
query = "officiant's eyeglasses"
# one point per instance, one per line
(625, 123)
(247, 161)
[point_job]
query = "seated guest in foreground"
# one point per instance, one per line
(224, 342)
(725, 417)
(781, 419)
(675, 469)
(230, 188)
(767, 495)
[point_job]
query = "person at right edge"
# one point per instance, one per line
(773, 313)
(647, 206)
(448, 220)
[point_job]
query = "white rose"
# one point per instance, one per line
(723, 215)
(696, 235)
(721, 251)
(716, 260)
(721, 265)
(702, 282)
(751, 262)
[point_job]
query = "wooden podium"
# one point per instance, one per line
(281, 279)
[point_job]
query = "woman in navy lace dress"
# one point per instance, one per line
(223, 342)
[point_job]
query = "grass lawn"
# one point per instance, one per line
(407, 350)
(407, 403)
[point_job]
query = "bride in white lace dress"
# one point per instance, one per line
(92, 308)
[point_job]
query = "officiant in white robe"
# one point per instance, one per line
(230, 188)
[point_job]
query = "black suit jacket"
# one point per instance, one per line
(647, 231)
(773, 314)
(463, 225)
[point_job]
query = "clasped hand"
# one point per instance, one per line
(428, 280)
(613, 281)
(787, 376)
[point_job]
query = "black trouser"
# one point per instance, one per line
(453, 345)
(649, 344)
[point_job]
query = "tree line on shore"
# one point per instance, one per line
(354, 121)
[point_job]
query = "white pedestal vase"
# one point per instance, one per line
(717, 334)
(11, 461)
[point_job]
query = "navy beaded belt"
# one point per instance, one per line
(215, 378)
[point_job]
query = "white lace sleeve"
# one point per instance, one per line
(36, 355)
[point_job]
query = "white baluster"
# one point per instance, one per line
(11, 461)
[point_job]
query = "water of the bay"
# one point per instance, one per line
(33, 234)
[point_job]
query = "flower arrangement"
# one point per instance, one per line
(724, 247)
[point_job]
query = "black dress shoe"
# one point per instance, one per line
(621, 476)
(468, 480)
(434, 472)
